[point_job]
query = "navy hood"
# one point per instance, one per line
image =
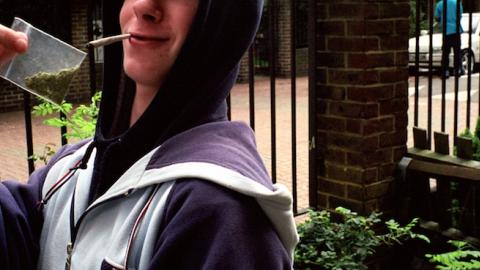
(200, 80)
(194, 92)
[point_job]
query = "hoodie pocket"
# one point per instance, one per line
(108, 266)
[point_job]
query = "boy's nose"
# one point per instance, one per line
(148, 10)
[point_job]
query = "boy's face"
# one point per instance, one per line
(159, 29)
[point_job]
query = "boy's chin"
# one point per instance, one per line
(143, 76)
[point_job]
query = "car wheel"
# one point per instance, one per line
(465, 56)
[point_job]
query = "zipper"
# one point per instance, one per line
(75, 228)
(68, 263)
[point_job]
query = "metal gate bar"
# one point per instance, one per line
(417, 61)
(312, 99)
(272, 52)
(293, 74)
(251, 85)
(456, 74)
(28, 130)
(444, 81)
(430, 67)
(469, 78)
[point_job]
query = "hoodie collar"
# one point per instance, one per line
(194, 92)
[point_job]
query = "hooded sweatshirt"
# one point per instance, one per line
(181, 189)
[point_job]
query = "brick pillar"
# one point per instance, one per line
(283, 36)
(283, 26)
(243, 73)
(362, 84)
(80, 87)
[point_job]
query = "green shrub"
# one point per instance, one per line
(465, 257)
(48, 152)
(345, 245)
(475, 136)
(80, 122)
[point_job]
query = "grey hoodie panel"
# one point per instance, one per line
(105, 230)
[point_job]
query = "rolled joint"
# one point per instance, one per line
(107, 41)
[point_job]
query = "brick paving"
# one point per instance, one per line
(240, 111)
(13, 147)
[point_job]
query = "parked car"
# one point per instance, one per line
(424, 41)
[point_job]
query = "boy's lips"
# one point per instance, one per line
(148, 38)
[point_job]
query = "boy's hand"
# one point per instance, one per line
(11, 43)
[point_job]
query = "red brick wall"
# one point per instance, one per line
(362, 101)
(80, 87)
(11, 97)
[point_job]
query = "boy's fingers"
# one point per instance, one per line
(12, 40)
(21, 43)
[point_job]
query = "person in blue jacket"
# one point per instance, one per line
(452, 35)
(167, 182)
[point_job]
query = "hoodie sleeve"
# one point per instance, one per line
(21, 220)
(206, 226)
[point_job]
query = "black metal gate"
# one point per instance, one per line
(429, 74)
(262, 59)
(445, 100)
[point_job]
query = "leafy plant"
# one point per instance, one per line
(465, 257)
(80, 122)
(475, 137)
(345, 245)
(48, 152)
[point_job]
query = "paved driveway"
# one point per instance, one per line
(437, 102)
(13, 164)
(13, 148)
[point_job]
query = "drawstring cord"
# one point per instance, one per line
(136, 225)
(86, 157)
(81, 164)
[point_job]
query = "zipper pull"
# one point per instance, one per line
(68, 263)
